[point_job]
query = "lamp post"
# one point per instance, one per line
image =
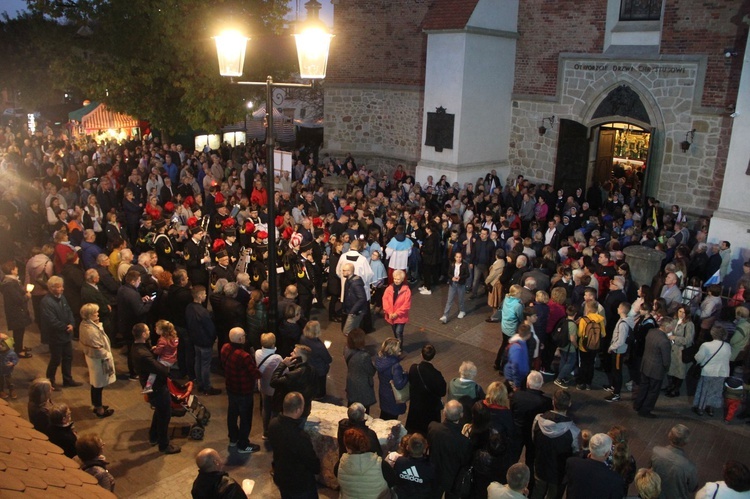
(313, 42)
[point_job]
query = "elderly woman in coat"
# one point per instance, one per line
(360, 371)
(98, 354)
(713, 357)
(396, 304)
(682, 337)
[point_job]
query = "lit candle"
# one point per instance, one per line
(29, 288)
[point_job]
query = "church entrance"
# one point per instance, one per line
(622, 151)
(617, 141)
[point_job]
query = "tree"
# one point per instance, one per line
(29, 45)
(155, 60)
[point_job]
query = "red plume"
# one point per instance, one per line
(249, 227)
(192, 222)
(218, 245)
(279, 220)
(317, 222)
(219, 198)
(189, 201)
(228, 223)
(287, 234)
(169, 206)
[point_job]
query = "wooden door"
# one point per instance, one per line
(572, 156)
(604, 154)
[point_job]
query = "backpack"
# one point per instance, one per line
(561, 335)
(592, 335)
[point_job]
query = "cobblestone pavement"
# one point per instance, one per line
(142, 472)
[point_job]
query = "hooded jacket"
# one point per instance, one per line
(556, 439)
(512, 315)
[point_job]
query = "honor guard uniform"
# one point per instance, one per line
(246, 234)
(222, 270)
(196, 257)
(233, 249)
(304, 275)
(259, 250)
(163, 245)
(216, 226)
(146, 235)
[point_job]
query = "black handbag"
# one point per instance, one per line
(464, 482)
(688, 354)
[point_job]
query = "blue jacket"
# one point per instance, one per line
(200, 327)
(389, 369)
(89, 252)
(512, 315)
(56, 316)
(355, 298)
(517, 367)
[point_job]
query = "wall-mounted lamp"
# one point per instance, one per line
(689, 137)
(730, 52)
(543, 129)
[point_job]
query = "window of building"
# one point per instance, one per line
(640, 10)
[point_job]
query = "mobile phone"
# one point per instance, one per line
(153, 295)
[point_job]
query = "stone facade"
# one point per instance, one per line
(379, 125)
(670, 91)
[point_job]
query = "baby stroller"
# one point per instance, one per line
(184, 402)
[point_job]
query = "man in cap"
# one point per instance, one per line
(196, 257)
(222, 269)
(304, 277)
(163, 246)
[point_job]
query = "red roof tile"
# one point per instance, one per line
(449, 14)
(31, 466)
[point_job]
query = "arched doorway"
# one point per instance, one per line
(616, 140)
(622, 151)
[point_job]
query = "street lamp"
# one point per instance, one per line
(313, 42)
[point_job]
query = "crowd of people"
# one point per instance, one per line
(139, 244)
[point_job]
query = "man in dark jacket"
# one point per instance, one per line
(555, 440)
(146, 364)
(178, 298)
(355, 298)
(656, 359)
(212, 481)
(449, 448)
(427, 388)
(481, 259)
(356, 419)
(57, 326)
(90, 293)
(295, 463)
(202, 334)
(131, 309)
(295, 374)
(588, 478)
(526, 405)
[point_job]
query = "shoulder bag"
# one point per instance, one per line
(401, 395)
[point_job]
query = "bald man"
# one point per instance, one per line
(241, 374)
(355, 298)
(449, 449)
(212, 481)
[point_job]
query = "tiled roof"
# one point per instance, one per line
(449, 14)
(32, 466)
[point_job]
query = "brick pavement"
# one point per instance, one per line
(143, 472)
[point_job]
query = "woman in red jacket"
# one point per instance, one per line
(396, 305)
